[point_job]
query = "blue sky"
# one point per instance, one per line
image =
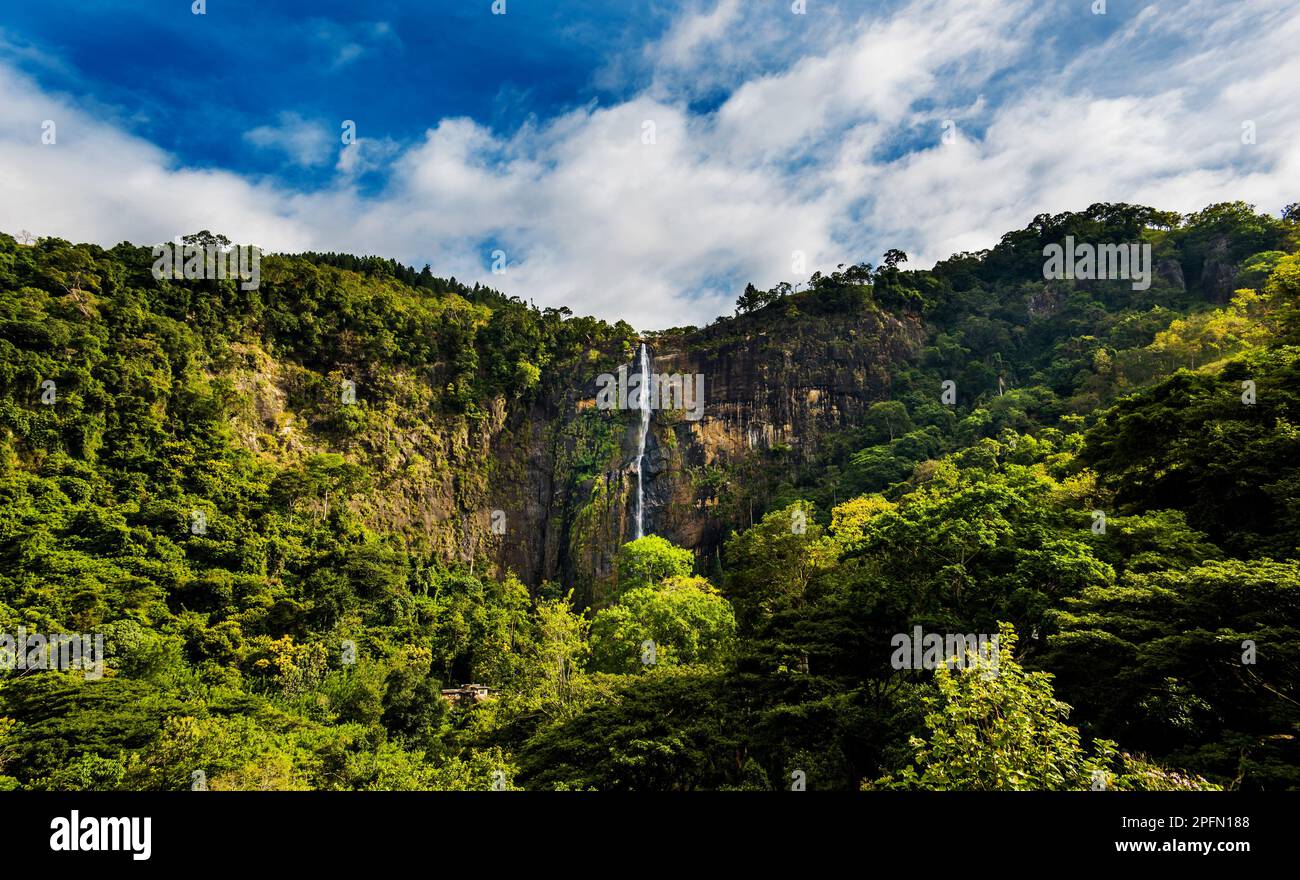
(184, 81)
(776, 135)
(392, 66)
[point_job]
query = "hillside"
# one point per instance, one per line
(297, 513)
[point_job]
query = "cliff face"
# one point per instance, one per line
(543, 483)
(476, 427)
(775, 387)
(774, 395)
(1219, 273)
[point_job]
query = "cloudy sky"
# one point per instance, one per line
(641, 159)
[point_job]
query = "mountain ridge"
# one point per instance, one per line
(347, 434)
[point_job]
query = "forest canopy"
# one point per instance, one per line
(1113, 492)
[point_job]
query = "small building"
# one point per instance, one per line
(468, 694)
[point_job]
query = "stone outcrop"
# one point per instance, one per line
(776, 385)
(1219, 273)
(544, 485)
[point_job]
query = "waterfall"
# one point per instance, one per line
(643, 403)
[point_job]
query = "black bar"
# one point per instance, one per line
(526, 829)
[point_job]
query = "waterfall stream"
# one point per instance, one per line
(643, 404)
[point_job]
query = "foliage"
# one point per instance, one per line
(179, 473)
(681, 621)
(998, 727)
(650, 560)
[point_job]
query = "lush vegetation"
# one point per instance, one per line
(270, 624)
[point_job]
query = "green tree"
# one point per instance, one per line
(888, 419)
(771, 564)
(554, 660)
(684, 620)
(649, 560)
(997, 727)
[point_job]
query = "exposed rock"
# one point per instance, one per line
(1219, 274)
(1046, 301)
(561, 472)
(1172, 272)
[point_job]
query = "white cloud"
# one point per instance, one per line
(96, 183)
(304, 142)
(347, 43)
(693, 33)
(834, 151)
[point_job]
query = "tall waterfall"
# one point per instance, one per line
(643, 403)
